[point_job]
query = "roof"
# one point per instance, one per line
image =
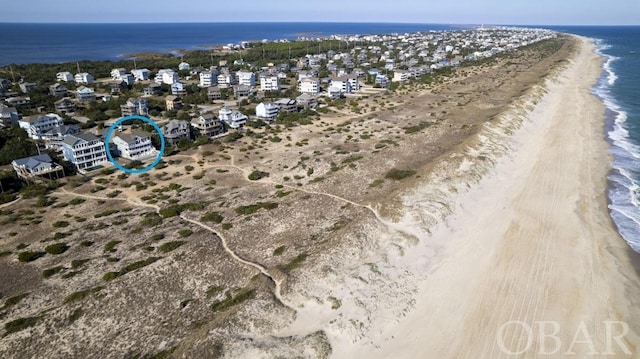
(131, 137)
(36, 118)
(175, 124)
(171, 98)
(33, 161)
(72, 140)
(64, 129)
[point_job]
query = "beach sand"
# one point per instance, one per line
(532, 263)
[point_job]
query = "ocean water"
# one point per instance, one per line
(56, 43)
(619, 89)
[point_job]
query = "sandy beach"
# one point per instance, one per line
(530, 253)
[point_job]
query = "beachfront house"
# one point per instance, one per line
(232, 118)
(347, 84)
(140, 74)
(37, 125)
(83, 78)
(208, 125)
(134, 145)
(84, 150)
(401, 76)
(175, 131)
(35, 167)
(8, 116)
(287, 105)
(65, 76)
(53, 138)
(267, 112)
(58, 90)
(307, 101)
(270, 83)
(135, 106)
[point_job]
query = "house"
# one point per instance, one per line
(208, 125)
(232, 118)
(84, 150)
(18, 101)
(401, 76)
(267, 112)
(5, 84)
(335, 92)
(117, 74)
(8, 116)
(287, 105)
(84, 94)
(140, 74)
(346, 84)
(226, 80)
(382, 81)
(309, 85)
(134, 145)
(37, 125)
(208, 78)
(64, 105)
(184, 66)
(65, 76)
(53, 137)
(27, 87)
(178, 89)
(58, 90)
(176, 130)
(117, 87)
(246, 78)
(270, 83)
(307, 101)
(39, 166)
(128, 79)
(241, 91)
(166, 76)
(153, 90)
(173, 103)
(213, 93)
(135, 106)
(83, 78)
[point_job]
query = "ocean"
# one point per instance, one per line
(619, 87)
(56, 43)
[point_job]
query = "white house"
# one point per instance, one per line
(233, 119)
(134, 146)
(117, 74)
(140, 74)
(53, 137)
(267, 111)
(270, 83)
(83, 78)
(84, 94)
(309, 85)
(346, 84)
(8, 116)
(36, 166)
(84, 150)
(401, 76)
(208, 78)
(166, 76)
(184, 66)
(65, 76)
(37, 125)
(246, 78)
(177, 89)
(226, 80)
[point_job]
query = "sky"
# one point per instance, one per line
(516, 12)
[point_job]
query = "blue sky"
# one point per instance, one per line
(543, 12)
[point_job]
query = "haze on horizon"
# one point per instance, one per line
(516, 12)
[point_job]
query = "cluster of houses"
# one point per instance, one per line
(376, 60)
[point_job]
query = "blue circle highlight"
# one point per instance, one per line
(133, 170)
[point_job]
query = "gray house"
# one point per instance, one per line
(176, 130)
(37, 167)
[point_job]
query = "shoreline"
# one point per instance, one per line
(515, 269)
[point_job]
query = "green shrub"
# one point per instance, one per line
(278, 251)
(60, 224)
(86, 243)
(56, 248)
(185, 232)
(171, 211)
(256, 175)
(294, 263)
(214, 217)
(110, 276)
(157, 237)
(111, 246)
(82, 294)
(30, 256)
(78, 262)
(231, 301)
(105, 213)
(227, 226)
(51, 271)
(398, 174)
(151, 219)
(253, 208)
(169, 246)
(113, 194)
(20, 324)
(15, 300)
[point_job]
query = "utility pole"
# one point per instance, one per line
(135, 67)
(78, 66)
(13, 76)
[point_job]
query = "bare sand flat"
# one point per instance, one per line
(532, 246)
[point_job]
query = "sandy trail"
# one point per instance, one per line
(531, 247)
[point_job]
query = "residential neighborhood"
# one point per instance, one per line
(210, 101)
